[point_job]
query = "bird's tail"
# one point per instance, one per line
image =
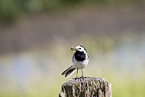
(68, 72)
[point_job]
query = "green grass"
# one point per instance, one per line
(46, 88)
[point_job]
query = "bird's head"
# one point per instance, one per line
(79, 48)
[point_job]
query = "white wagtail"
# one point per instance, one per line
(80, 60)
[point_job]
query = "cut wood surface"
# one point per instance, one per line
(86, 87)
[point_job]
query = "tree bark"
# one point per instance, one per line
(86, 87)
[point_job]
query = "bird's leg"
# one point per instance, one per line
(77, 74)
(82, 73)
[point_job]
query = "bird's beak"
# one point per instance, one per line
(73, 49)
(76, 49)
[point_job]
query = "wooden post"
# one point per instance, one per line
(86, 87)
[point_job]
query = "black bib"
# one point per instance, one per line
(80, 56)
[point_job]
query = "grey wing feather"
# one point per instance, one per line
(68, 72)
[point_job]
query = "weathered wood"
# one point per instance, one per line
(86, 87)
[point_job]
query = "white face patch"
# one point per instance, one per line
(80, 48)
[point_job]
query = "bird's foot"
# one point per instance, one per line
(82, 77)
(76, 77)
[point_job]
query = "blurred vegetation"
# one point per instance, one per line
(37, 72)
(12, 9)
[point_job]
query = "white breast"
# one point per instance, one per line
(79, 64)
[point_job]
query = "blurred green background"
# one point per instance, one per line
(36, 37)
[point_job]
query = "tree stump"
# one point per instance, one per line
(86, 87)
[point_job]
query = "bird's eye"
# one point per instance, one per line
(79, 48)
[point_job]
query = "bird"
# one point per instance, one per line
(80, 60)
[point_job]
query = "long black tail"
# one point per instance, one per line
(68, 72)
